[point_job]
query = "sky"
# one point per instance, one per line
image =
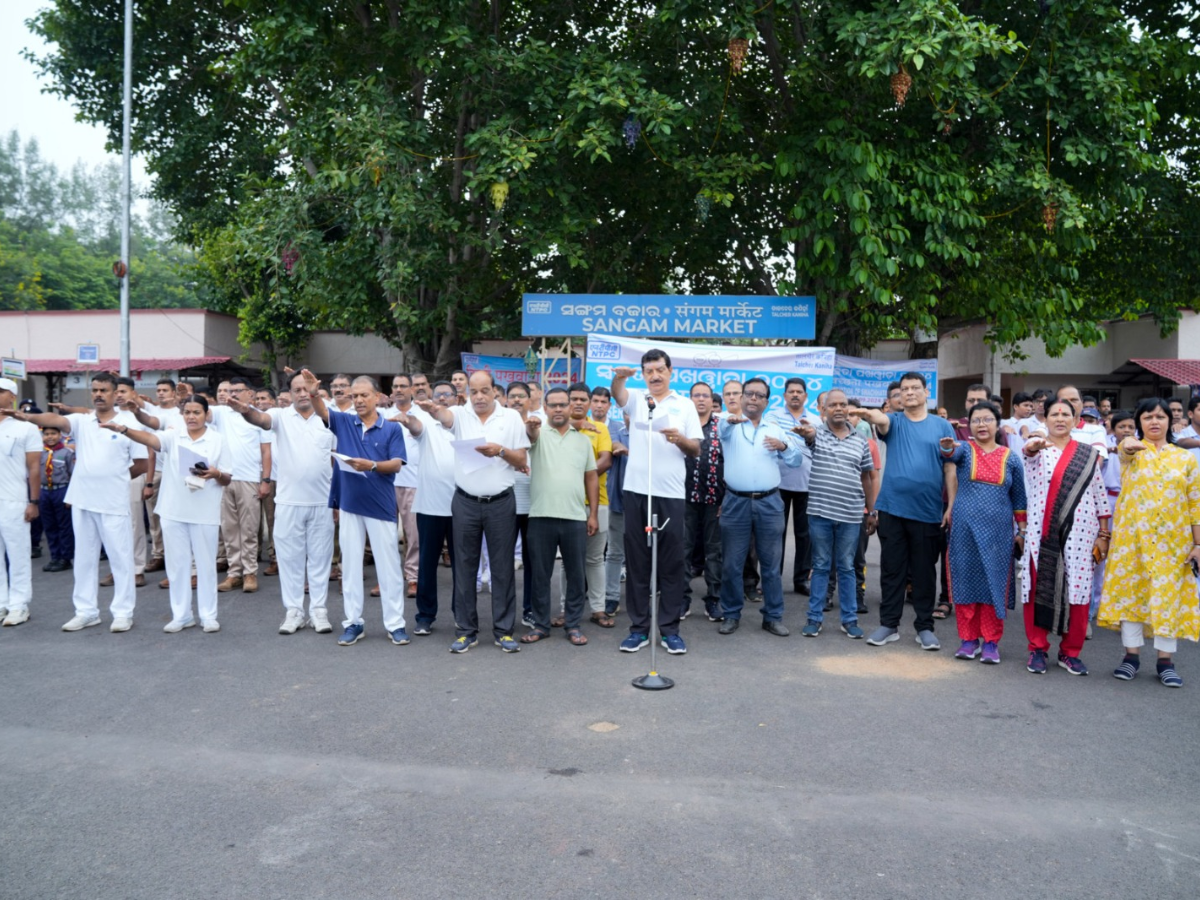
(47, 117)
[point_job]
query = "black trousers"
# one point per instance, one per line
(672, 557)
(431, 532)
(795, 504)
(703, 527)
(473, 520)
(907, 549)
(547, 536)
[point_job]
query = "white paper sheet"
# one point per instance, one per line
(188, 459)
(659, 423)
(344, 464)
(468, 457)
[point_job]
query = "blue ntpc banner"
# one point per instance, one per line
(711, 318)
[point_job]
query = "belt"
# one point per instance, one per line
(500, 496)
(753, 495)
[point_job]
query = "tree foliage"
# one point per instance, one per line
(60, 234)
(412, 168)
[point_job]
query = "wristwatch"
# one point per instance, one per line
(374, 465)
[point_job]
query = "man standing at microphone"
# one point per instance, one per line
(664, 485)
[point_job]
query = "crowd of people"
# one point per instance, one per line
(1081, 513)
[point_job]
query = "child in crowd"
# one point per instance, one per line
(58, 462)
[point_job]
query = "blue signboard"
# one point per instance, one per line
(709, 318)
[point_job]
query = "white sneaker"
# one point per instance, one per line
(212, 627)
(78, 623)
(320, 621)
(16, 617)
(292, 622)
(121, 623)
(3, 610)
(174, 627)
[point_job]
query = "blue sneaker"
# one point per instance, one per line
(423, 628)
(811, 628)
(634, 643)
(1072, 664)
(352, 635)
(673, 644)
(463, 644)
(507, 644)
(1037, 662)
(851, 630)
(400, 637)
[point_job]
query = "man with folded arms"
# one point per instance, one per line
(99, 500)
(754, 449)
(303, 519)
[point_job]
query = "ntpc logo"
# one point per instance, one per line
(538, 307)
(603, 350)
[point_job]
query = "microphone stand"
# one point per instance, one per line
(652, 681)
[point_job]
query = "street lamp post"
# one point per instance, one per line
(126, 186)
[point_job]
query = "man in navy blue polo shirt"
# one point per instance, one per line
(370, 453)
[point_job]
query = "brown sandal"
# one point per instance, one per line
(575, 636)
(558, 622)
(941, 610)
(604, 620)
(375, 591)
(534, 636)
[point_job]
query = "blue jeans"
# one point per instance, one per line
(741, 516)
(833, 544)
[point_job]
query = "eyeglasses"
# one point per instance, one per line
(754, 395)
(442, 395)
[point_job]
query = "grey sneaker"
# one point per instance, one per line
(928, 640)
(883, 635)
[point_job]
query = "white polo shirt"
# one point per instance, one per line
(408, 475)
(670, 466)
(302, 447)
(1190, 432)
(168, 420)
(16, 439)
(176, 501)
(100, 483)
(435, 478)
(503, 427)
(245, 443)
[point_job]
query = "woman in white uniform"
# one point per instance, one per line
(196, 469)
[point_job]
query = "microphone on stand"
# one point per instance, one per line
(650, 402)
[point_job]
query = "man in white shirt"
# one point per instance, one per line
(241, 507)
(264, 399)
(20, 491)
(99, 500)
(303, 519)
(1086, 431)
(433, 499)
(406, 481)
(1189, 438)
(484, 506)
(663, 483)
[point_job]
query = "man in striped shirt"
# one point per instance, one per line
(842, 482)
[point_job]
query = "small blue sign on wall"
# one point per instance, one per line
(709, 318)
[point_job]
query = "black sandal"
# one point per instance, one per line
(942, 610)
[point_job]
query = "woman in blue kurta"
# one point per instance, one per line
(990, 499)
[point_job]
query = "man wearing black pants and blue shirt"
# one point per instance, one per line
(484, 506)
(752, 510)
(668, 489)
(910, 510)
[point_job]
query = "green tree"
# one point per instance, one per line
(411, 169)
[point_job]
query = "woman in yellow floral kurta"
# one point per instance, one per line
(1150, 578)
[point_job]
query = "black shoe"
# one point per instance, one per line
(776, 628)
(729, 626)
(828, 604)
(56, 565)
(801, 589)
(36, 552)
(862, 609)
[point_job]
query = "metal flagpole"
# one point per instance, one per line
(652, 681)
(122, 267)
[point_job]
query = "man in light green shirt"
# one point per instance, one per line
(564, 495)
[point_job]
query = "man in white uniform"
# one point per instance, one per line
(20, 491)
(303, 519)
(99, 500)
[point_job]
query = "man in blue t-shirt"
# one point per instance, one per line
(910, 509)
(370, 451)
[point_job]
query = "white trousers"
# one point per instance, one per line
(1133, 635)
(355, 529)
(136, 486)
(304, 542)
(17, 587)
(183, 542)
(93, 529)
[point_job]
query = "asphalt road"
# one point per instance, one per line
(251, 764)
